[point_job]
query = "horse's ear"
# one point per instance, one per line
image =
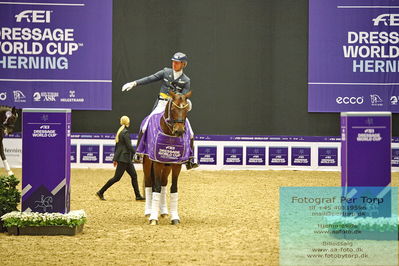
(188, 94)
(13, 110)
(172, 94)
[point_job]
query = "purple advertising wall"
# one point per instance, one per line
(46, 146)
(108, 153)
(89, 153)
(207, 155)
(328, 156)
(56, 55)
(256, 156)
(353, 55)
(300, 156)
(278, 155)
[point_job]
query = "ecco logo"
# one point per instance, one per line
(3, 96)
(34, 16)
(350, 100)
(387, 19)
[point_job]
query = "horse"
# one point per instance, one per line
(172, 141)
(8, 117)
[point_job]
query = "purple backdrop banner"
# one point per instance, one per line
(56, 55)
(353, 55)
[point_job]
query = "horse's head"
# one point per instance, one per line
(179, 107)
(8, 117)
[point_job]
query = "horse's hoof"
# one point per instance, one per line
(153, 222)
(164, 215)
(175, 222)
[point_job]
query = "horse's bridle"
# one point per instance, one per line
(6, 124)
(168, 119)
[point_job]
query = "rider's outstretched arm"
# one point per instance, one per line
(143, 81)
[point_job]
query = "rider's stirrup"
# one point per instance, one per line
(137, 158)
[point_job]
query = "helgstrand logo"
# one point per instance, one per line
(34, 16)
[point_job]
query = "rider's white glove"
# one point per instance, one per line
(128, 86)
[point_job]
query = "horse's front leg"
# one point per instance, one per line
(164, 182)
(174, 196)
(156, 193)
(3, 157)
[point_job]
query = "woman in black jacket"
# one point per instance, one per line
(123, 156)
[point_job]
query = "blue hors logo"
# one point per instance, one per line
(376, 100)
(34, 16)
(3, 96)
(350, 100)
(36, 97)
(394, 100)
(387, 20)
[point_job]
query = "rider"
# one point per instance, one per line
(172, 79)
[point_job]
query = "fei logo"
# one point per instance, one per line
(387, 19)
(34, 16)
(350, 100)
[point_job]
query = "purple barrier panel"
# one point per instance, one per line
(366, 157)
(366, 148)
(328, 156)
(108, 153)
(207, 155)
(89, 153)
(256, 156)
(46, 146)
(73, 153)
(233, 155)
(300, 156)
(395, 158)
(278, 156)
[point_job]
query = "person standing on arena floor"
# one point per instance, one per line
(123, 157)
(172, 79)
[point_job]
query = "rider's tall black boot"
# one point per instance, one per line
(190, 163)
(138, 158)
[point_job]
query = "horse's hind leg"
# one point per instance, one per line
(164, 181)
(174, 196)
(147, 165)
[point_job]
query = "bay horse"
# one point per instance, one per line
(8, 117)
(174, 129)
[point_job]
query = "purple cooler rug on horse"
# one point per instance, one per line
(161, 147)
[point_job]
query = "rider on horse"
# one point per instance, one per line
(172, 79)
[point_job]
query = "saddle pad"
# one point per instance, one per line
(161, 147)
